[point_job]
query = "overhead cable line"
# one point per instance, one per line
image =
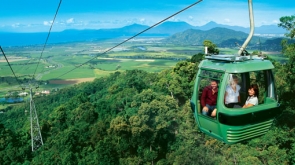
(9, 65)
(25, 64)
(47, 37)
(132, 37)
(22, 65)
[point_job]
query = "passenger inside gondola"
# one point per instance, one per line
(209, 99)
(252, 99)
(232, 93)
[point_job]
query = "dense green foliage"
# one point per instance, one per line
(133, 117)
(288, 23)
(136, 117)
(212, 48)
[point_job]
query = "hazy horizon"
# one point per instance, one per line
(134, 24)
(36, 16)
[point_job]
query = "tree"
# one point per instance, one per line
(285, 75)
(135, 117)
(256, 52)
(212, 48)
(285, 83)
(197, 58)
(288, 23)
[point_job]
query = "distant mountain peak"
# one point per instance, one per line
(135, 25)
(211, 23)
(165, 29)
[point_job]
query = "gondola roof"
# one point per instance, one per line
(236, 66)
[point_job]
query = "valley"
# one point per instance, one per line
(66, 64)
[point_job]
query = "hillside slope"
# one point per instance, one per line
(131, 117)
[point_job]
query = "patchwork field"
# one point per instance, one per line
(70, 63)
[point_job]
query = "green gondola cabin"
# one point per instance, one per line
(232, 125)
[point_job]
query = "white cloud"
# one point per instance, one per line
(16, 25)
(142, 20)
(47, 23)
(264, 22)
(71, 20)
(191, 17)
(227, 20)
(276, 21)
(174, 19)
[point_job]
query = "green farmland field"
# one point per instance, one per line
(64, 61)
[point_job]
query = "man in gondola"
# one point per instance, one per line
(209, 99)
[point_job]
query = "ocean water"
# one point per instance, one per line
(11, 100)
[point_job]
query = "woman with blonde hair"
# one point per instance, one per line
(232, 93)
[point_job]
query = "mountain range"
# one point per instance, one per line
(165, 29)
(224, 37)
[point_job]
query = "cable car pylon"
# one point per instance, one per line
(36, 137)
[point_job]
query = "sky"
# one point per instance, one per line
(37, 15)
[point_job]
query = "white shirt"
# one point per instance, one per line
(252, 100)
(232, 96)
